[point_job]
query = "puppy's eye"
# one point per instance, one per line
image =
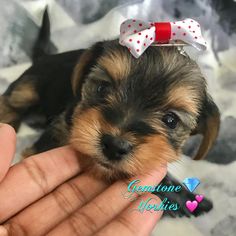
(171, 120)
(102, 88)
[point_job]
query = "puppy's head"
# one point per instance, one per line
(133, 114)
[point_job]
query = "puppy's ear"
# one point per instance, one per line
(208, 126)
(84, 65)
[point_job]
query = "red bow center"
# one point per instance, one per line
(163, 32)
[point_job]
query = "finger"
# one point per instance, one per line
(102, 209)
(7, 148)
(132, 221)
(55, 207)
(35, 177)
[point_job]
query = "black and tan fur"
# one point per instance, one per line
(103, 93)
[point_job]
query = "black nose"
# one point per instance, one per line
(114, 148)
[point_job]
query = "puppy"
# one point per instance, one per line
(125, 115)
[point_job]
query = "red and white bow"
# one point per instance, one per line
(138, 35)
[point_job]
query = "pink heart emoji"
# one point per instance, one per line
(199, 197)
(191, 205)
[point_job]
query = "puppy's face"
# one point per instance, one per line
(134, 114)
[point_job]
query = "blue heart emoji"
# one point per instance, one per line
(191, 183)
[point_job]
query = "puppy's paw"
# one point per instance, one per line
(181, 198)
(203, 207)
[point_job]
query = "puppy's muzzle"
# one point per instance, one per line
(114, 147)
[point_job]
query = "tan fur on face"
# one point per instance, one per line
(154, 151)
(79, 68)
(148, 152)
(117, 64)
(184, 97)
(87, 128)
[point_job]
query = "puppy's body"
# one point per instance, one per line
(45, 90)
(125, 114)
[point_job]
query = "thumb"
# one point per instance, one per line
(7, 148)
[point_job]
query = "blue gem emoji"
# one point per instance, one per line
(191, 183)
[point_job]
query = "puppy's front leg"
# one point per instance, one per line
(15, 102)
(180, 198)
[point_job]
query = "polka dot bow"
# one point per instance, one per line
(138, 35)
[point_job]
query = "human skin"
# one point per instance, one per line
(49, 194)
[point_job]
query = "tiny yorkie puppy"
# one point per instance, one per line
(125, 115)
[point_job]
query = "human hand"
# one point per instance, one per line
(49, 194)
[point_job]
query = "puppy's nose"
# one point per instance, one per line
(114, 148)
